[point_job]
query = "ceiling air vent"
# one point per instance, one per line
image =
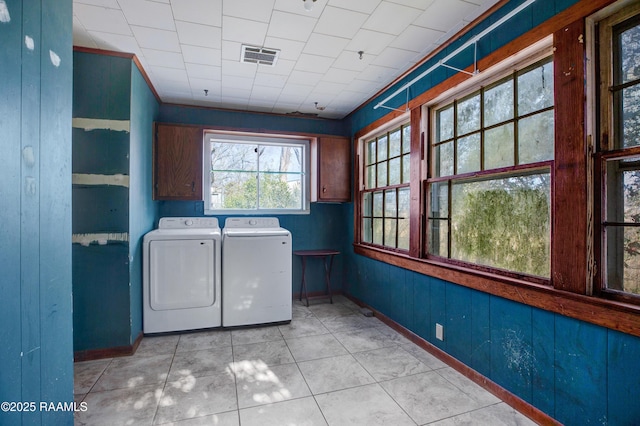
(259, 55)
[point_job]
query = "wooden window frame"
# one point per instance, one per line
(572, 250)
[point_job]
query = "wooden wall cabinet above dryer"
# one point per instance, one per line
(332, 180)
(177, 153)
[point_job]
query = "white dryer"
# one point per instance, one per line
(182, 275)
(256, 272)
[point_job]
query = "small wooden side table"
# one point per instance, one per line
(324, 254)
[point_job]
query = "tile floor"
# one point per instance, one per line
(330, 366)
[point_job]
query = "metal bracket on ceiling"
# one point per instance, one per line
(475, 62)
(406, 108)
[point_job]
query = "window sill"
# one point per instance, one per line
(615, 315)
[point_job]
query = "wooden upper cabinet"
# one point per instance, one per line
(177, 170)
(333, 162)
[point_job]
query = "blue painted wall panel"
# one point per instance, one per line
(623, 373)
(543, 373)
(438, 310)
(580, 372)
(100, 208)
(142, 209)
(458, 325)
(481, 333)
(35, 185)
(100, 151)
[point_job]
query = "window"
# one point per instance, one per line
(385, 196)
(619, 152)
(255, 174)
(490, 182)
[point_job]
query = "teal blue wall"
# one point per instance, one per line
(142, 209)
(107, 278)
(36, 351)
(574, 371)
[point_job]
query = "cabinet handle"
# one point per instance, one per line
(193, 186)
(324, 189)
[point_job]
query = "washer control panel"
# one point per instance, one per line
(187, 222)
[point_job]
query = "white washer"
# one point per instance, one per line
(256, 272)
(182, 275)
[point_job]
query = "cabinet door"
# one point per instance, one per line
(178, 163)
(334, 169)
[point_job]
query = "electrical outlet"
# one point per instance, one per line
(439, 332)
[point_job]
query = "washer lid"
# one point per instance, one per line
(183, 234)
(255, 232)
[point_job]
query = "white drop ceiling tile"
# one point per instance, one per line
(113, 4)
(282, 67)
(377, 74)
(207, 12)
(293, 92)
(203, 71)
(254, 10)
(323, 99)
(96, 18)
(297, 7)
(392, 18)
(115, 42)
(244, 30)
(290, 26)
(370, 42)
(392, 58)
(240, 96)
(330, 87)
(304, 78)
(283, 107)
(416, 38)
(335, 75)
(340, 22)
(179, 77)
(270, 80)
(148, 14)
(231, 50)
(199, 35)
(444, 14)
(207, 102)
(364, 6)
(313, 63)
(418, 4)
(81, 36)
(289, 49)
(350, 60)
(236, 82)
(239, 69)
(201, 55)
(200, 84)
(362, 86)
(163, 59)
(152, 38)
(325, 45)
(265, 93)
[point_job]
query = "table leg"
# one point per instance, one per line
(303, 284)
(327, 276)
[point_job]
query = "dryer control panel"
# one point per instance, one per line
(252, 222)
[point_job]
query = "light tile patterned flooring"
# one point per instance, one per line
(330, 366)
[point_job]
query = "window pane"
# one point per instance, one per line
(382, 173)
(394, 171)
(406, 139)
(443, 159)
(468, 119)
(377, 231)
(390, 207)
(371, 177)
(233, 156)
(439, 200)
(503, 223)
(623, 191)
(395, 143)
(630, 52)
(377, 204)
(371, 152)
(535, 138)
(438, 237)
(535, 89)
(498, 147)
(367, 232)
(403, 218)
(366, 204)
(468, 154)
(406, 168)
(234, 190)
(631, 116)
(623, 258)
(280, 159)
(279, 191)
(498, 103)
(382, 148)
(390, 232)
(444, 124)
